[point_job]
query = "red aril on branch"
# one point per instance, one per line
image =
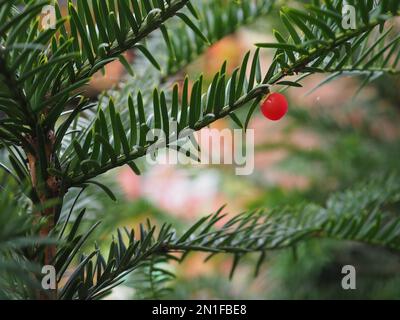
(274, 107)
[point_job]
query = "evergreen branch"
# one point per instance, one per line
(18, 97)
(358, 215)
(137, 151)
(224, 96)
(218, 19)
(17, 239)
(328, 47)
(156, 17)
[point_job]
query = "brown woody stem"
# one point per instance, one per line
(46, 188)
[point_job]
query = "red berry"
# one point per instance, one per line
(275, 106)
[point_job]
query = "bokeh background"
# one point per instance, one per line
(332, 138)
